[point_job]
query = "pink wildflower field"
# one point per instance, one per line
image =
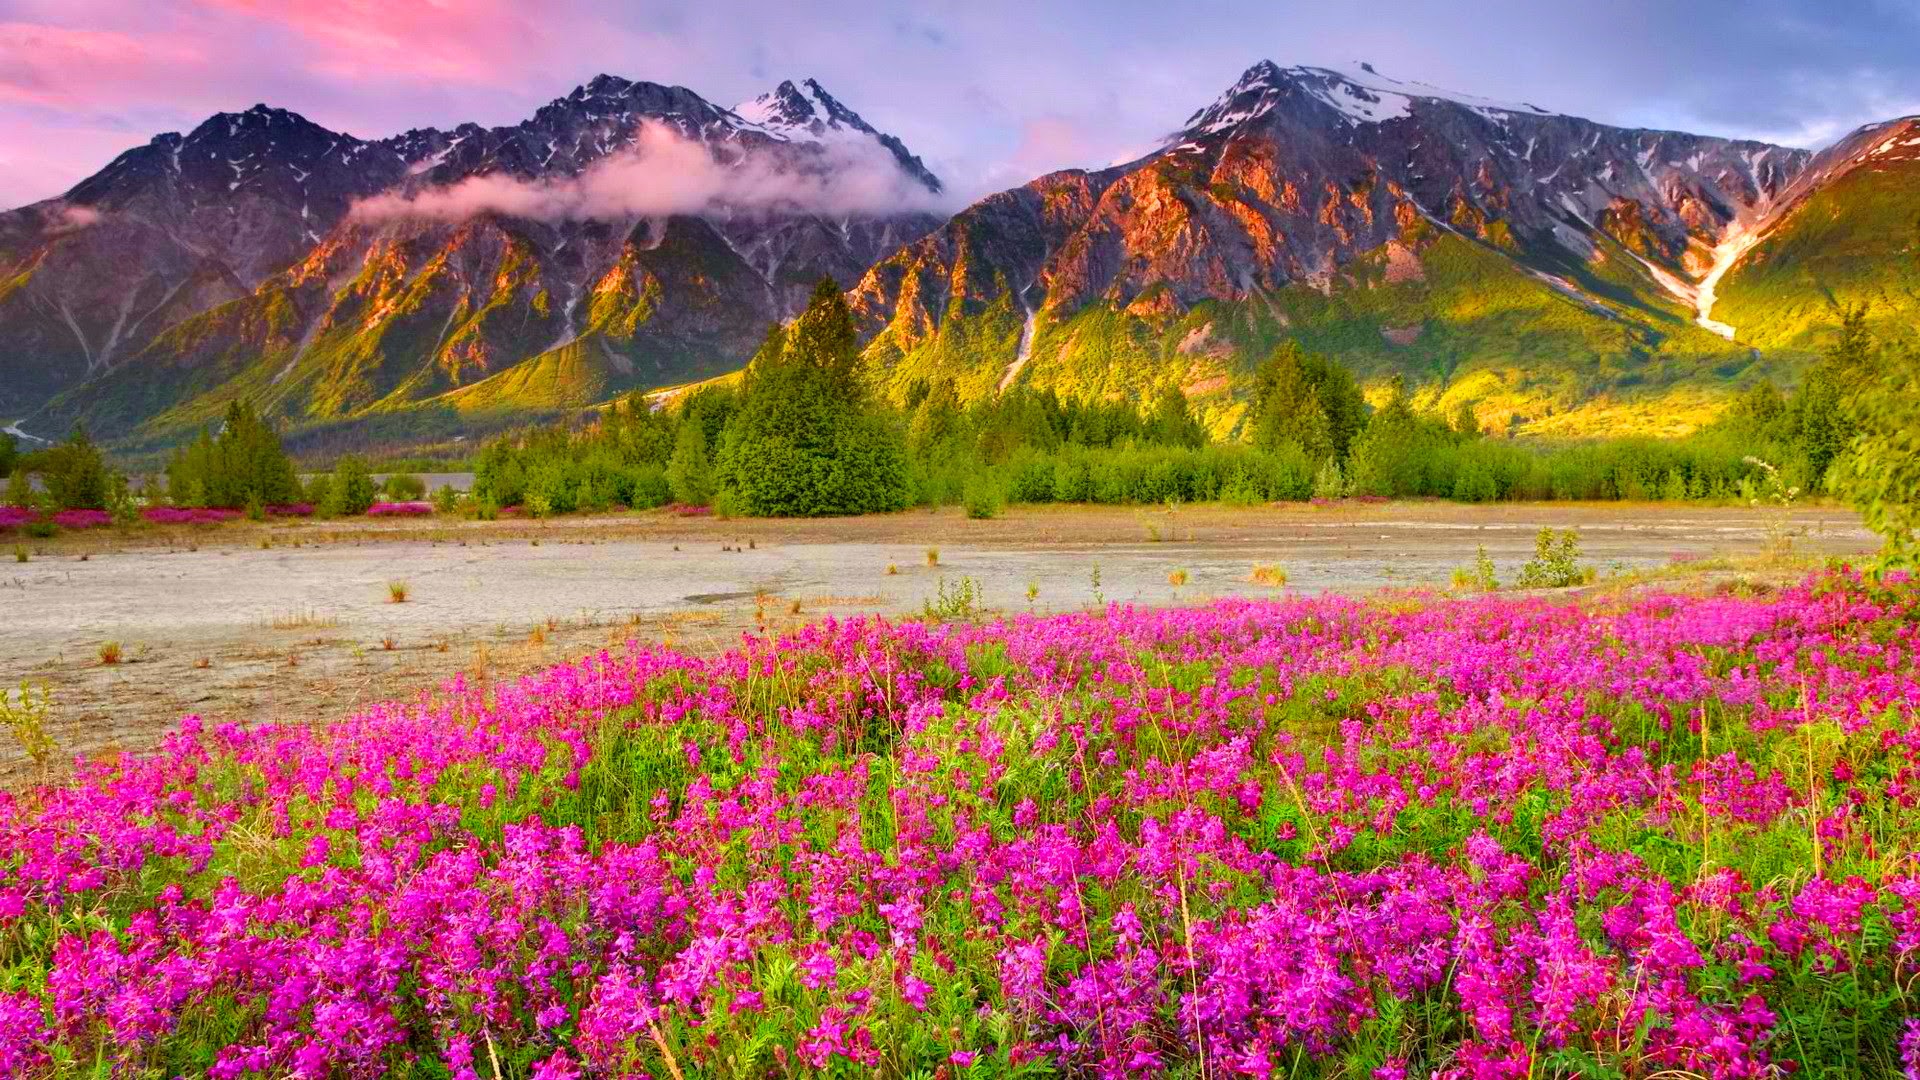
(1660, 836)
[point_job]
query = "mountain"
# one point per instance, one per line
(1557, 273)
(1846, 232)
(1562, 276)
(492, 271)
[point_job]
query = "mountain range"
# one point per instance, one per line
(1562, 276)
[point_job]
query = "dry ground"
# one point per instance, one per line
(293, 621)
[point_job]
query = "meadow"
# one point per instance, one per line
(1651, 835)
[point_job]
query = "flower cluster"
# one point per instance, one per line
(1467, 839)
(399, 509)
(183, 515)
(15, 516)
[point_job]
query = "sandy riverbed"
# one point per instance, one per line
(209, 622)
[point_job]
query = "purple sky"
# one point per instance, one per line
(989, 92)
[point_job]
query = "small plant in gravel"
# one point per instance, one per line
(933, 556)
(1555, 563)
(24, 715)
(109, 653)
(1272, 575)
(959, 602)
(1476, 578)
(397, 592)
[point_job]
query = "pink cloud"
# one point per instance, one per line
(483, 42)
(664, 174)
(63, 66)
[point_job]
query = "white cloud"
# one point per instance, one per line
(666, 173)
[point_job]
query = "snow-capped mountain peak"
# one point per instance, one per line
(1357, 92)
(806, 113)
(803, 113)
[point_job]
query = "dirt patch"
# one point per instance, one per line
(209, 622)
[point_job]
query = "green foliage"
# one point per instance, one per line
(19, 488)
(1392, 456)
(9, 453)
(245, 465)
(403, 487)
(805, 441)
(1479, 577)
(1880, 475)
(1307, 400)
(446, 500)
(690, 470)
(1555, 563)
(1170, 422)
(76, 474)
(351, 491)
(958, 603)
(983, 497)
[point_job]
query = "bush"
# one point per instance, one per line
(983, 498)
(1555, 562)
(76, 475)
(403, 487)
(351, 493)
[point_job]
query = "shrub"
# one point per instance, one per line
(446, 500)
(1271, 575)
(403, 487)
(76, 475)
(397, 592)
(109, 652)
(1477, 578)
(351, 491)
(983, 497)
(20, 553)
(961, 603)
(1555, 562)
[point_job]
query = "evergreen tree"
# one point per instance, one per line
(1465, 424)
(352, 490)
(1386, 457)
(690, 470)
(76, 474)
(1308, 400)
(9, 453)
(245, 465)
(936, 419)
(1171, 421)
(806, 441)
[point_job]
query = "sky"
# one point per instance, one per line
(991, 93)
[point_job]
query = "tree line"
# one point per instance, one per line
(804, 434)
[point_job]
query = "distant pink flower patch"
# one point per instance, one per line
(400, 509)
(82, 519)
(684, 510)
(14, 516)
(290, 510)
(188, 515)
